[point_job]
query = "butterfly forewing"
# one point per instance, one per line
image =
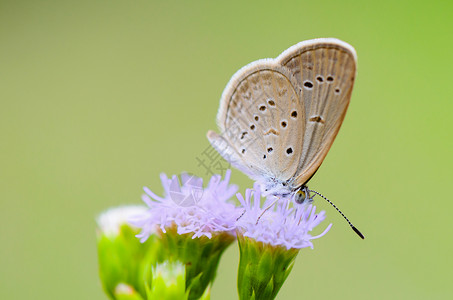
(325, 69)
(260, 112)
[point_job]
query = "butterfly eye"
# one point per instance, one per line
(299, 197)
(301, 192)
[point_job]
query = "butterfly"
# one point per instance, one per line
(279, 117)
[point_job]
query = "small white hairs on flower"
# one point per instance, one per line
(189, 206)
(124, 289)
(278, 222)
(168, 271)
(111, 220)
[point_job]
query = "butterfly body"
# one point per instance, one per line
(279, 117)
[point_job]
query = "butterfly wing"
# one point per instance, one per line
(325, 69)
(260, 112)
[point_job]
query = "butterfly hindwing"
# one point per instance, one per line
(325, 69)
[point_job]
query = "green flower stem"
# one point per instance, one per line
(263, 268)
(200, 256)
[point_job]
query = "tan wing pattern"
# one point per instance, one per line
(279, 117)
(325, 69)
(260, 110)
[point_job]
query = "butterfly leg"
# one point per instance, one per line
(267, 208)
(241, 215)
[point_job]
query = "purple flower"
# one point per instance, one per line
(190, 207)
(278, 222)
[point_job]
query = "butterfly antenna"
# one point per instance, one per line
(349, 222)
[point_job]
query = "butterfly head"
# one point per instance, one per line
(302, 196)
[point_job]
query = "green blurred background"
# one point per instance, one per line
(99, 97)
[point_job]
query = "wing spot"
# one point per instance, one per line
(284, 124)
(263, 107)
(317, 119)
(243, 151)
(294, 114)
(257, 118)
(252, 127)
(272, 130)
(289, 151)
(308, 84)
(337, 90)
(269, 150)
(320, 78)
(330, 78)
(271, 102)
(264, 156)
(243, 135)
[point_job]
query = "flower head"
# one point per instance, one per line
(190, 207)
(277, 222)
(194, 224)
(270, 237)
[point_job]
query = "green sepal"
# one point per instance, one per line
(168, 282)
(124, 259)
(207, 294)
(200, 255)
(263, 268)
(129, 297)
